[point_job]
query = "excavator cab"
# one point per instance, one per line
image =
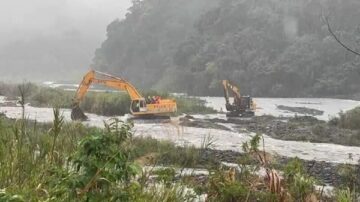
(138, 106)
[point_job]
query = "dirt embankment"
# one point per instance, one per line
(301, 128)
(190, 121)
(301, 110)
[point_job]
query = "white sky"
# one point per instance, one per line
(23, 19)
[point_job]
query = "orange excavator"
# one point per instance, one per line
(140, 107)
(242, 105)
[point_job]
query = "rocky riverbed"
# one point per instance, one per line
(326, 173)
(229, 134)
(297, 128)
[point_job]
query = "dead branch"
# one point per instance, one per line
(326, 19)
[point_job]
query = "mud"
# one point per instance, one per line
(299, 128)
(301, 110)
(324, 172)
(190, 121)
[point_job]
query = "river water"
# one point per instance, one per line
(227, 140)
(330, 107)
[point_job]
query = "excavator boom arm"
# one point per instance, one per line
(235, 90)
(139, 105)
(110, 81)
(120, 85)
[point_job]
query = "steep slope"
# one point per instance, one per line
(269, 47)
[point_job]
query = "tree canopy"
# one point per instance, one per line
(268, 47)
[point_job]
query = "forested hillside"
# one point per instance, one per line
(268, 47)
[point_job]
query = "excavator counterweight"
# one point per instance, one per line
(140, 107)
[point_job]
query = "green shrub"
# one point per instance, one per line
(9, 197)
(221, 188)
(165, 175)
(172, 193)
(107, 104)
(48, 97)
(350, 176)
(187, 156)
(102, 169)
(344, 195)
(302, 186)
(167, 153)
(299, 183)
(100, 166)
(293, 167)
(349, 119)
(319, 130)
(191, 105)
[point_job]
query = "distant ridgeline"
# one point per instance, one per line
(268, 47)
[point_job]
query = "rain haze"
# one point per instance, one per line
(42, 40)
(180, 100)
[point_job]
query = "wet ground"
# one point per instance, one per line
(231, 138)
(269, 106)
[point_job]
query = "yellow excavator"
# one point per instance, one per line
(242, 105)
(140, 107)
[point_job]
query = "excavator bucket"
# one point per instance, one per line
(78, 114)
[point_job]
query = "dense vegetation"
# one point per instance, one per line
(69, 162)
(349, 119)
(270, 48)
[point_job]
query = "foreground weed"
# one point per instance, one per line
(208, 142)
(344, 195)
(55, 130)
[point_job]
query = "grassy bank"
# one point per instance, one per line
(70, 162)
(102, 103)
(349, 119)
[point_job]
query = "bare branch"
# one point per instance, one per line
(24, 90)
(326, 19)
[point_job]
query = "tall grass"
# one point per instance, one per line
(48, 97)
(349, 119)
(101, 103)
(191, 105)
(23, 162)
(69, 162)
(166, 152)
(107, 104)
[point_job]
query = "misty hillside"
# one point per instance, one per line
(46, 58)
(269, 47)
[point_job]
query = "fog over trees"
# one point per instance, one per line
(53, 40)
(269, 47)
(277, 48)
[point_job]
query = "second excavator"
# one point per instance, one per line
(242, 105)
(140, 107)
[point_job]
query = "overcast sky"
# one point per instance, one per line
(22, 19)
